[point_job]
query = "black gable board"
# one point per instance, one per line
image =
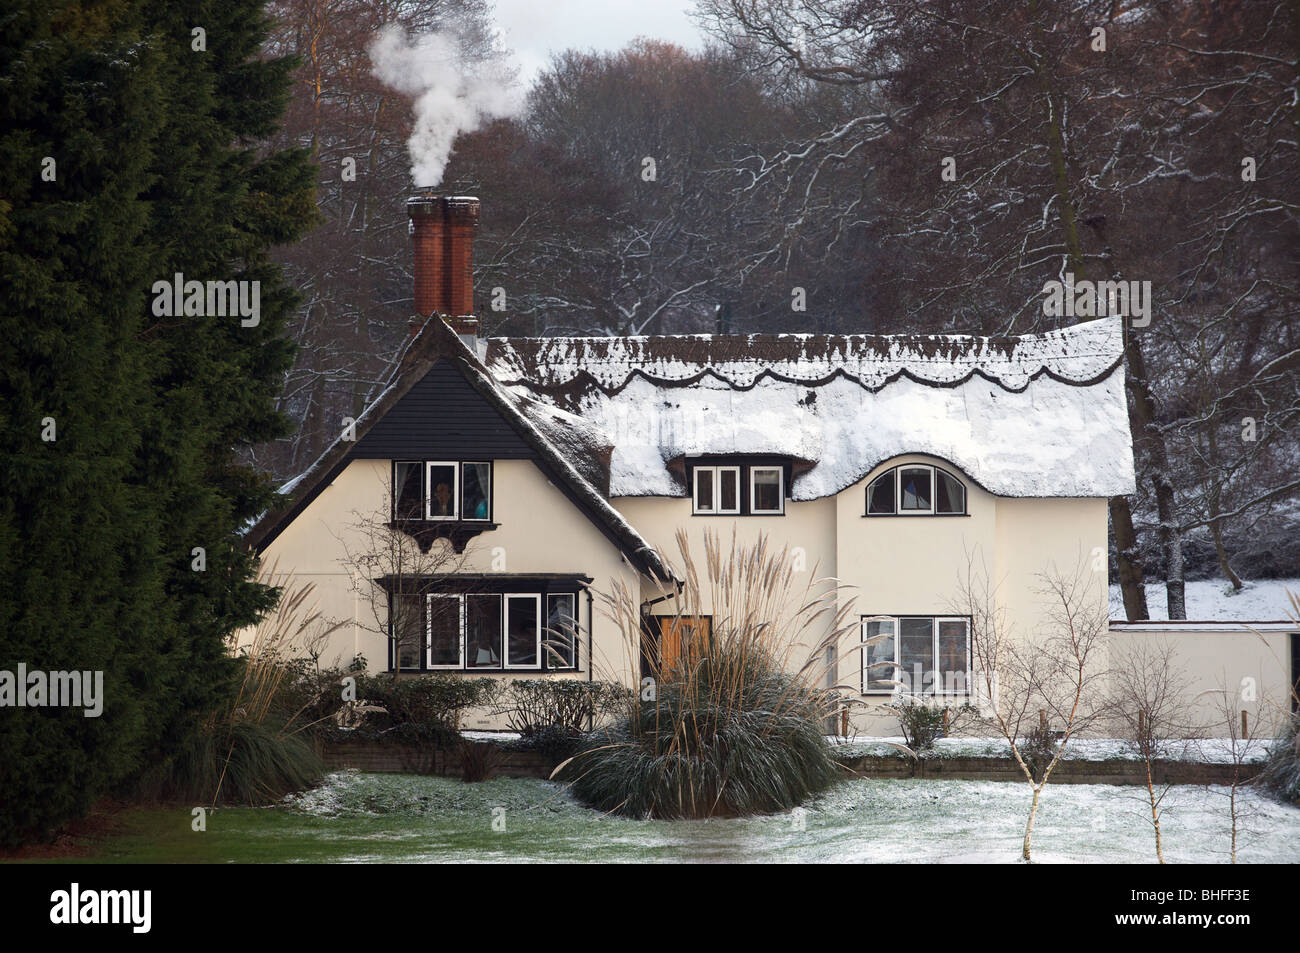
(442, 417)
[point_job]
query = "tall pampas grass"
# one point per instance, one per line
(255, 748)
(735, 726)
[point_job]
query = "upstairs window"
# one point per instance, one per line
(442, 490)
(717, 490)
(754, 487)
(766, 491)
(916, 490)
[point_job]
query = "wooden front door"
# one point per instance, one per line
(682, 640)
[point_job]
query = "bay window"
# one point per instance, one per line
(490, 630)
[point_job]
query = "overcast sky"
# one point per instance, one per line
(534, 29)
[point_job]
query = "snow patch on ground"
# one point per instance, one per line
(1213, 600)
(1202, 750)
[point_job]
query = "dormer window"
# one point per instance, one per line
(722, 486)
(916, 490)
(717, 491)
(766, 491)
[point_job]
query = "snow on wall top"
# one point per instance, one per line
(1036, 415)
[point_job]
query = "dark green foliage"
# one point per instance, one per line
(1038, 748)
(755, 748)
(922, 725)
(531, 704)
(157, 172)
(553, 716)
(1281, 773)
(424, 710)
(247, 763)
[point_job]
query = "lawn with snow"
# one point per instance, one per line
(414, 819)
(1204, 750)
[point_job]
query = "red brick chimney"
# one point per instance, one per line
(442, 230)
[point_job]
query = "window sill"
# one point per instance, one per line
(909, 516)
(485, 671)
(458, 532)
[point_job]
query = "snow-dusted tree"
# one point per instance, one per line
(1043, 687)
(1243, 743)
(1151, 710)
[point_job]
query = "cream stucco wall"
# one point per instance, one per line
(896, 565)
(1225, 670)
(540, 531)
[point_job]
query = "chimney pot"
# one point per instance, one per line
(442, 231)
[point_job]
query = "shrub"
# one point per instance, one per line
(729, 729)
(1281, 773)
(531, 704)
(421, 710)
(923, 723)
(1038, 748)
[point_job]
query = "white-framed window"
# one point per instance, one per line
(562, 633)
(916, 655)
(485, 631)
(476, 491)
(443, 488)
(767, 491)
(408, 489)
(916, 489)
(410, 638)
(444, 631)
(523, 630)
(717, 491)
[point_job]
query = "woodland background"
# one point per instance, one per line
(803, 148)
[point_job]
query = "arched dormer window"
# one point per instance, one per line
(916, 489)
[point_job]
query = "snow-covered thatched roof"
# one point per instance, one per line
(1032, 415)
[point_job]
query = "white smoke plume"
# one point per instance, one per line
(452, 94)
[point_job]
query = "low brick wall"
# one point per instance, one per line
(1067, 772)
(408, 759)
(508, 763)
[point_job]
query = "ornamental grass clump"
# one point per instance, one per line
(731, 720)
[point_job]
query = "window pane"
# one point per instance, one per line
(442, 491)
(767, 490)
(916, 654)
(561, 635)
(408, 496)
(950, 495)
(704, 489)
(880, 495)
(408, 630)
(729, 493)
(444, 630)
(879, 677)
(483, 631)
(477, 485)
(954, 661)
(914, 487)
(521, 630)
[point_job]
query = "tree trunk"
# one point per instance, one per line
(1147, 436)
(1129, 569)
(1029, 828)
(1155, 813)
